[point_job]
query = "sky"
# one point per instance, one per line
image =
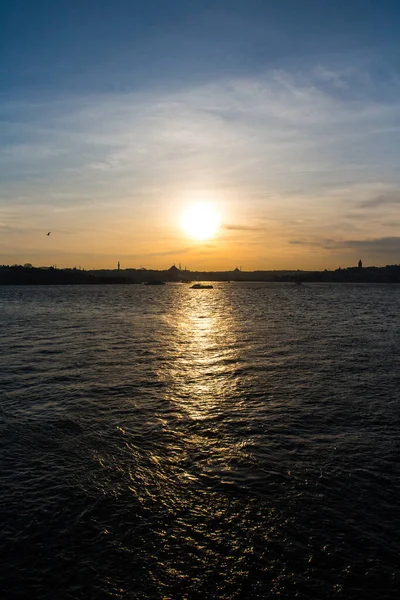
(281, 115)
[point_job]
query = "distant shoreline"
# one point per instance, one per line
(29, 275)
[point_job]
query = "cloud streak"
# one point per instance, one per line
(238, 227)
(383, 200)
(377, 246)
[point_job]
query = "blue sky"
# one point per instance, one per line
(115, 115)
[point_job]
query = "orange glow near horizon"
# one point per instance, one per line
(205, 230)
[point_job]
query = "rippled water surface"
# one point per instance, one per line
(169, 443)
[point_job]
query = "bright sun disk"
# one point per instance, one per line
(200, 221)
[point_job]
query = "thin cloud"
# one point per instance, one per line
(172, 252)
(382, 200)
(242, 227)
(326, 244)
(390, 224)
(377, 246)
(382, 245)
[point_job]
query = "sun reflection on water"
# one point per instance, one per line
(202, 377)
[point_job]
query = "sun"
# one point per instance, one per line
(200, 221)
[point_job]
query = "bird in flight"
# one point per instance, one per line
(48, 233)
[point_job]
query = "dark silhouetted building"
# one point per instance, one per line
(174, 274)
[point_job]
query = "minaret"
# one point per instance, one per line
(119, 266)
(360, 264)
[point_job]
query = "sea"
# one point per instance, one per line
(161, 442)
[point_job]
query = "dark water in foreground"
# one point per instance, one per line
(169, 443)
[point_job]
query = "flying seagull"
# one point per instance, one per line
(48, 233)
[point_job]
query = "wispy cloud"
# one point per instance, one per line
(255, 128)
(388, 199)
(376, 246)
(382, 246)
(238, 227)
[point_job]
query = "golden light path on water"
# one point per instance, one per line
(201, 395)
(205, 351)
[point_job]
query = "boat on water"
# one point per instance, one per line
(155, 282)
(201, 286)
